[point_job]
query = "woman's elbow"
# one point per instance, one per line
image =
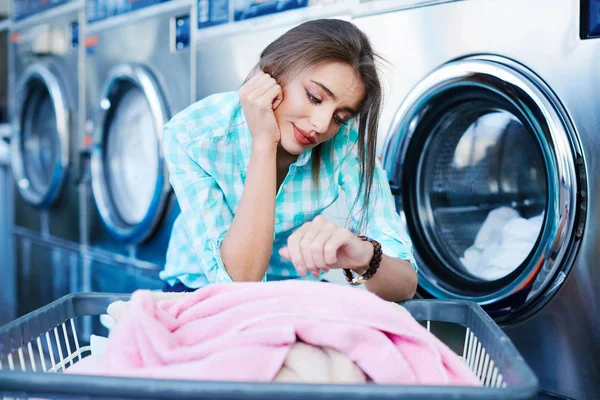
(413, 282)
(246, 274)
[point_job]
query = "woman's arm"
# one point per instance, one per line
(248, 244)
(205, 216)
(395, 280)
(322, 245)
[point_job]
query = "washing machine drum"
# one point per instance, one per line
(41, 141)
(490, 183)
(483, 190)
(128, 173)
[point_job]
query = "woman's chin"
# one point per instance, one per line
(291, 146)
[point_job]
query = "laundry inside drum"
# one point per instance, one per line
(484, 190)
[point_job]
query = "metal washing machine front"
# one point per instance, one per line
(138, 76)
(45, 95)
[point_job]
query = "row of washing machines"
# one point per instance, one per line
(489, 136)
(92, 205)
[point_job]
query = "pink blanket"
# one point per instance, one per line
(243, 332)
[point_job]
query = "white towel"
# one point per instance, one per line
(503, 242)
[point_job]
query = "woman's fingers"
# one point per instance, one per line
(261, 89)
(306, 245)
(313, 247)
(333, 244)
(317, 246)
(274, 96)
(294, 249)
(258, 96)
(311, 244)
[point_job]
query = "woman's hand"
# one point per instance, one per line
(322, 245)
(259, 97)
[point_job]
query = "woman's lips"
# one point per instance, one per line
(303, 137)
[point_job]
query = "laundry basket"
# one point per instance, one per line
(37, 347)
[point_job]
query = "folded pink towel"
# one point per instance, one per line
(244, 331)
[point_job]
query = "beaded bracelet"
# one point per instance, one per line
(373, 265)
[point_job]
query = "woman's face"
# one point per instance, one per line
(316, 102)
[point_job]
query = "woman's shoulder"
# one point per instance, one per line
(206, 119)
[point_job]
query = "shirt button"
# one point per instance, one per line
(277, 221)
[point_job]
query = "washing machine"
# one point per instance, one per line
(45, 63)
(138, 76)
(489, 139)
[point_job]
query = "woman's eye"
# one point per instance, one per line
(312, 98)
(338, 120)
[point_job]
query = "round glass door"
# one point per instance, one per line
(131, 157)
(41, 141)
(487, 166)
(483, 191)
(129, 177)
(41, 146)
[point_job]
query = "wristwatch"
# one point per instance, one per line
(373, 264)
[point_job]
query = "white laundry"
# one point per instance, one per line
(502, 244)
(98, 344)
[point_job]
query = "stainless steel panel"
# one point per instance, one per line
(46, 271)
(222, 64)
(562, 341)
(226, 57)
(154, 249)
(64, 213)
(26, 215)
(115, 277)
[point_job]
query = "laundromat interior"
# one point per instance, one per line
(488, 137)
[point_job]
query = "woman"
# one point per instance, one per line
(253, 171)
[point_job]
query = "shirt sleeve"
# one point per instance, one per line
(384, 223)
(206, 215)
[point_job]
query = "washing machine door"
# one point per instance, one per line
(129, 176)
(40, 142)
(490, 180)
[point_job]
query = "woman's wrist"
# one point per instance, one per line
(372, 266)
(368, 252)
(264, 146)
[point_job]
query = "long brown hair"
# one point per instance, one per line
(334, 40)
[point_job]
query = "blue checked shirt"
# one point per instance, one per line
(207, 150)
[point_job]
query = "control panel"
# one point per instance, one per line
(25, 8)
(97, 10)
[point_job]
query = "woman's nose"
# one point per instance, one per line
(320, 120)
